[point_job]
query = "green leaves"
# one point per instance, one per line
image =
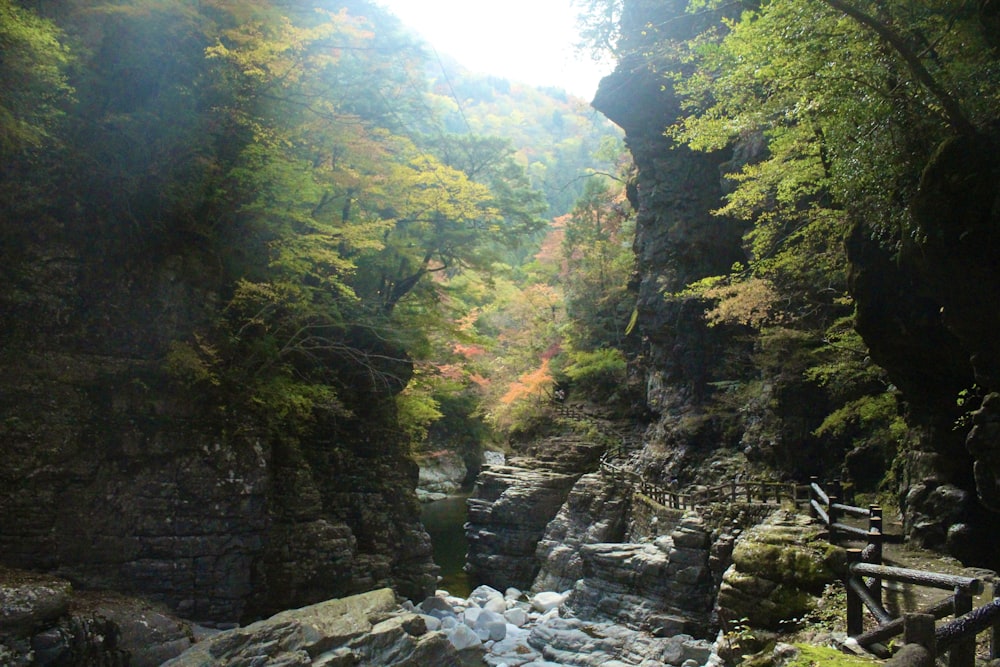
(34, 91)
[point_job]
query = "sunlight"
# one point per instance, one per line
(521, 40)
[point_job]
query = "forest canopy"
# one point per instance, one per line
(351, 194)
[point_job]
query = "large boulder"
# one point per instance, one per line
(779, 570)
(366, 629)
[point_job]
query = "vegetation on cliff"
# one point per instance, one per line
(836, 126)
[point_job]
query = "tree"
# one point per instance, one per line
(850, 104)
(34, 90)
(598, 263)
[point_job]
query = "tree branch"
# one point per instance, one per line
(952, 109)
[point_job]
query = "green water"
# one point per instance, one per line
(445, 522)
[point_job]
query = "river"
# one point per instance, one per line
(445, 522)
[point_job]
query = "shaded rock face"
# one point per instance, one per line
(929, 316)
(665, 585)
(596, 511)
(117, 477)
(44, 622)
(678, 240)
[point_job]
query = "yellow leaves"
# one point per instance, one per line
(282, 53)
(433, 191)
(750, 302)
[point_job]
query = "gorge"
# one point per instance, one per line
(246, 287)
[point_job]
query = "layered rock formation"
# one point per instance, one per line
(664, 585)
(118, 476)
(595, 511)
(508, 513)
(511, 506)
(43, 621)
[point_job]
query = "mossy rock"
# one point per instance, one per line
(805, 567)
(805, 655)
(780, 610)
(825, 656)
(779, 571)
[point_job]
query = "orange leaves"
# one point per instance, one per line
(532, 383)
(468, 351)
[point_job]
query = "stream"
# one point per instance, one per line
(445, 523)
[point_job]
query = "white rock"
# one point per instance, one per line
(462, 637)
(470, 615)
(493, 624)
(433, 622)
(546, 601)
(448, 622)
(436, 606)
(513, 593)
(483, 593)
(516, 616)
(497, 605)
(548, 616)
(456, 601)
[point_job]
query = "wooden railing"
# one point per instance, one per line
(863, 577)
(828, 510)
(733, 492)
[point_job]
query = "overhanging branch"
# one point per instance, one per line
(952, 109)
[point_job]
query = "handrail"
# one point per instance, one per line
(852, 510)
(957, 637)
(818, 491)
(976, 621)
(948, 582)
(674, 499)
(895, 627)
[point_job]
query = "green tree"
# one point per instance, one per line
(34, 90)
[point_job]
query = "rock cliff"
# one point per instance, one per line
(925, 308)
(116, 476)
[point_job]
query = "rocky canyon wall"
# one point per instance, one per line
(115, 476)
(927, 311)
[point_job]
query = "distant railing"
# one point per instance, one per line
(732, 492)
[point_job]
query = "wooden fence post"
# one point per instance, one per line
(855, 607)
(732, 491)
(995, 630)
(837, 489)
(919, 629)
(831, 514)
(963, 652)
(812, 496)
(876, 538)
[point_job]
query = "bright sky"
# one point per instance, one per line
(530, 41)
